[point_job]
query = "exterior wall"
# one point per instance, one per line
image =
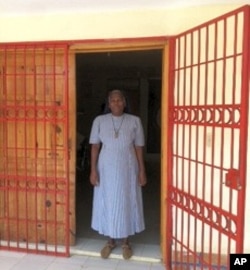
(113, 25)
(107, 25)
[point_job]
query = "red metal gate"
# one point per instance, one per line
(34, 181)
(209, 78)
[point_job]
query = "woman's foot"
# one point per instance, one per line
(127, 251)
(107, 249)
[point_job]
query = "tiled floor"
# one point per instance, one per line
(23, 261)
(141, 252)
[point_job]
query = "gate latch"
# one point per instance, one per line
(233, 179)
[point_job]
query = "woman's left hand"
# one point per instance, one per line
(142, 178)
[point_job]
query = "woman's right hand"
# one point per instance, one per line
(94, 178)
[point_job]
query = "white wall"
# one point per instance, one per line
(137, 23)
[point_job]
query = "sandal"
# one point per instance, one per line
(127, 251)
(107, 249)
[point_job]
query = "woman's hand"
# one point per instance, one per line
(94, 178)
(142, 178)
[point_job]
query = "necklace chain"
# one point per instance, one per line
(116, 130)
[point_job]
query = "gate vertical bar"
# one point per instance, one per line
(244, 125)
(170, 256)
(54, 70)
(67, 149)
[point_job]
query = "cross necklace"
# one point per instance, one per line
(116, 130)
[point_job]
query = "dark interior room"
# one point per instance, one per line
(138, 74)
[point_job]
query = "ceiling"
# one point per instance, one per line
(132, 63)
(29, 7)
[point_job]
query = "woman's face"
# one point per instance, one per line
(116, 103)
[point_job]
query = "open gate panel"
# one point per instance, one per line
(209, 74)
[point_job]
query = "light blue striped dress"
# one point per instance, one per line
(117, 202)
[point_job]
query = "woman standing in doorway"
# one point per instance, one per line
(117, 174)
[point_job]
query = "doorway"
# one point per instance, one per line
(138, 73)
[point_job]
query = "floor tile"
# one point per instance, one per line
(39, 262)
(74, 259)
(8, 263)
(157, 266)
(28, 266)
(133, 265)
(64, 266)
(12, 254)
(152, 251)
(98, 263)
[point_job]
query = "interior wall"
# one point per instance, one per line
(107, 25)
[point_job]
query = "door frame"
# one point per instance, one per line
(115, 45)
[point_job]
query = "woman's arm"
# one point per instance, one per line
(94, 177)
(142, 172)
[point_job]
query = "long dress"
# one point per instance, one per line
(117, 202)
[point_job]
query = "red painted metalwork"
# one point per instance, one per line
(34, 170)
(209, 78)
